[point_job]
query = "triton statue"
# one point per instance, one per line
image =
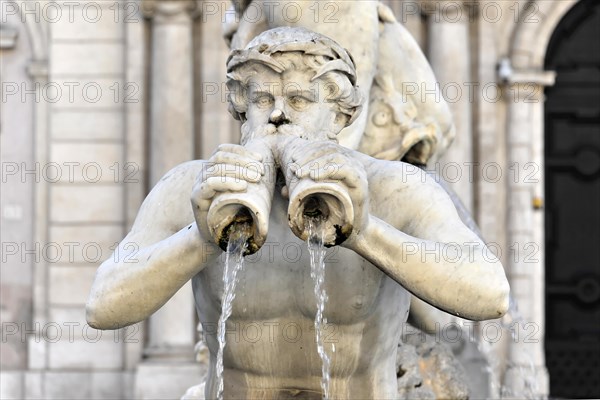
(394, 229)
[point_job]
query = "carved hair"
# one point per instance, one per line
(314, 52)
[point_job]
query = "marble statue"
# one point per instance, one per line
(395, 229)
(392, 74)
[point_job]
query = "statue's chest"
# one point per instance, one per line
(276, 281)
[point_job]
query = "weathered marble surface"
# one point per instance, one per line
(427, 369)
(400, 218)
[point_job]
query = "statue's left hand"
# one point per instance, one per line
(329, 162)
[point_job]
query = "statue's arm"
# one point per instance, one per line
(426, 248)
(162, 252)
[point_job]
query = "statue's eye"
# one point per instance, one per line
(263, 101)
(299, 102)
(381, 118)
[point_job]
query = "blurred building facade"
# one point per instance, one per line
(101, 98)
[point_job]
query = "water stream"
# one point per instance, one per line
(234, 262)
(317, 252)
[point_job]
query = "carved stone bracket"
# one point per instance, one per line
(508, 75)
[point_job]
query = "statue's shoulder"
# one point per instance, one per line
(419, 183)
(396, 174)
(178, 181)
(396, 185)
(183, 172)
(168, 203)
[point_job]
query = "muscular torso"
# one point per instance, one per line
(271, 337)
(271, 350)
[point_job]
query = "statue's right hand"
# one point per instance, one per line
(230, 169)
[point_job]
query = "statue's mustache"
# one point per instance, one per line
(287, 129)
(268, 130)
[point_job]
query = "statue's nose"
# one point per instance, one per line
(278, 116)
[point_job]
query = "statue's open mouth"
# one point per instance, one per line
(418, 154)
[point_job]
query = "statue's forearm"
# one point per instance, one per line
(130, 286)
(462, 279)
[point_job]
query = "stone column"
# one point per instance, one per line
(171, 143)
(216, 125)
(136, 126)
(169, 367)
(490, 191)
(38, 70)
(448, 53)
(489, 140)
(171, 109)
(524, 93)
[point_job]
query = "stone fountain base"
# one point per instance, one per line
(427, 369)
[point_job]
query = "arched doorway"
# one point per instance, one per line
(572, 192)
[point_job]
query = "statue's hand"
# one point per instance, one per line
(329, 162)
(230, 169)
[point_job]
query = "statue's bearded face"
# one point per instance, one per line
(291, 98)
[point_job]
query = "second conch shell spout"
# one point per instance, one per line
(321, 201)
(310, 199)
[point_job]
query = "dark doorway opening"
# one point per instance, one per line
(572, 192)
